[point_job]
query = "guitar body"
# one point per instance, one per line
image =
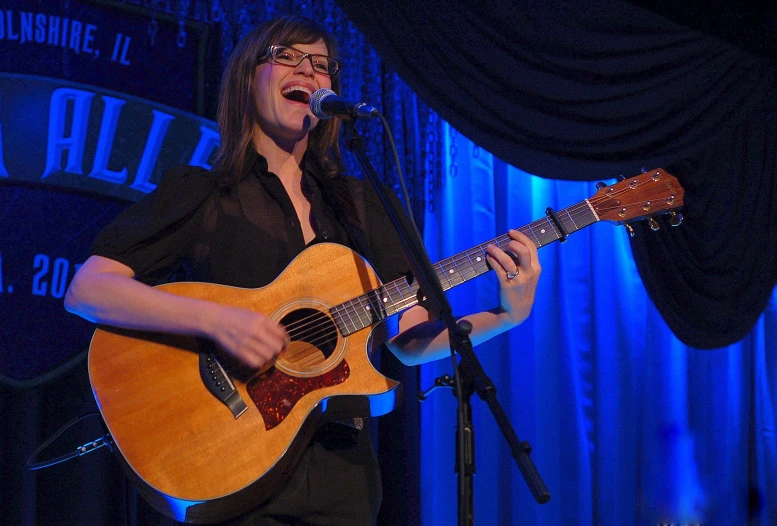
(192, 457)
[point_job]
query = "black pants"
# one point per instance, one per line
(337, 483)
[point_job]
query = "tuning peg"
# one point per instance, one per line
(629, 229)
(621, 177)
(600, 185)
(654, 226)
(644, 170)
(675, 219)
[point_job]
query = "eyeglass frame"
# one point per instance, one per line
(272, 49)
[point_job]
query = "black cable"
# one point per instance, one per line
(104, 440)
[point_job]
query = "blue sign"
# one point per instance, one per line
(71, 157)
(116, 47)
(72, 135)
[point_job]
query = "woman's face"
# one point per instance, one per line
(283, 94)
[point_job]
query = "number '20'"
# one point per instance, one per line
(56, 277)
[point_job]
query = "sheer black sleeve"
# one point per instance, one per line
(154, 235)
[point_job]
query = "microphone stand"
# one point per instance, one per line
(469, 376)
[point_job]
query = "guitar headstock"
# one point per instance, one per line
(648, 194)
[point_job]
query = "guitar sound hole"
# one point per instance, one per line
(313, 339)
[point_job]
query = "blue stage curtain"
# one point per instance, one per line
(627, 424)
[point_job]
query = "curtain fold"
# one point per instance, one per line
(601, 84)
(586, 91)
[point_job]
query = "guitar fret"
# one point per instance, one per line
(453, 273)
(387, 297)
(468, 271)
(410, 294)
(356, 309)
(392, 298)
(349, 312)
(405, 304)
(363, 311)
(343, 315)
(549, 234)
(465, 267)
(572, 219)
(375, 303)
(350, 318)
(584, 215)
(534, 235)
(481, 260)
(336, 313)
(552, 225)
(472, 269)
(442, 276)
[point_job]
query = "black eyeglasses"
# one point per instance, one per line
(288, 56)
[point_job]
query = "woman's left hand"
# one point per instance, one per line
(518, 269)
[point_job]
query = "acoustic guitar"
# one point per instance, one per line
(205, 439)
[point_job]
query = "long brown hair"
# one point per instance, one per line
(237, 112)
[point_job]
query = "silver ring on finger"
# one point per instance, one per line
(511, 275)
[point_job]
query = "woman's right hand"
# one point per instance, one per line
(104, 291)
(251, 337)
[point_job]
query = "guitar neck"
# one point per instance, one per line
(399, 295)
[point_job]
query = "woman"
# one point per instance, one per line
(277, 187)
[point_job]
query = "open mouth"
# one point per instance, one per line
(297, 94)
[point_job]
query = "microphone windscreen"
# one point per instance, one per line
(315, 102)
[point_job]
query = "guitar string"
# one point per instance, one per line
(300, 326)
(579, 210)
(305, 323)
(321, 331)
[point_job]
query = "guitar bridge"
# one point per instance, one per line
(220, 385)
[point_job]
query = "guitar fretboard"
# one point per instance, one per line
(398, 295)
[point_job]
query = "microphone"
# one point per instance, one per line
(325, 104)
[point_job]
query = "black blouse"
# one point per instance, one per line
(188, 229)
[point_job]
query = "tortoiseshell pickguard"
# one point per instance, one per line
(275, 393)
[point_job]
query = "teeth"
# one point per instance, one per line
(288, 90)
